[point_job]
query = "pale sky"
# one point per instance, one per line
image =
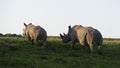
(56, 15)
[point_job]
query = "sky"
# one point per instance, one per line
(56, 15)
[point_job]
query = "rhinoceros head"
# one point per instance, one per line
(66, 37)
(24, 32)
(25, 29)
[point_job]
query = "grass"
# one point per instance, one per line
(18, 53)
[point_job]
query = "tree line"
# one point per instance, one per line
(10, 35)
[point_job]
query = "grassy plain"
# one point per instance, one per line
(16, 52)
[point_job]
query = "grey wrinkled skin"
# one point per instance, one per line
(85, 36)
(35, 33)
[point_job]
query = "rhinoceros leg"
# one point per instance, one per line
(44, 43)
(36, 41)
(72, 45)
(92, 48)
(82, 48)
(30, 40)
(100, 49)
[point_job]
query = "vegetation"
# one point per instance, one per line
(16, 52)
(10, 35)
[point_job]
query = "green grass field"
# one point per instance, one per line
(18, 53)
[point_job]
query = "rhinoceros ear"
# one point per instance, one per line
(61, 35)
(64, 34)
(69, 27)
(25, 24)
(30, 24)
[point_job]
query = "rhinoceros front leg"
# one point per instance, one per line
(32, 41)
(29, 40)
(72, 45)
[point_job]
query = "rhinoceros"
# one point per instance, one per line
(35, 33)
(85, 36)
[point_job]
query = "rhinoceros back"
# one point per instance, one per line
(94, 37)
(40, 33)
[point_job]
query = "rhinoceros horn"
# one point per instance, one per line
(61, 35)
